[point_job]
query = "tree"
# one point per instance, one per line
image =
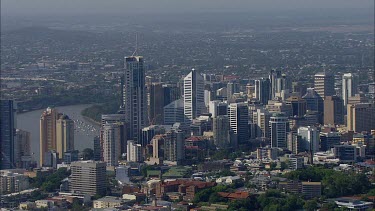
(88, 154)
(243, 204)
(329, 206)
(283, 166)
(310, 205)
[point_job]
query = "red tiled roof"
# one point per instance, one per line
(235, 195)
(198, 184)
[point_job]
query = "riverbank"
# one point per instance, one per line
(95, 112)
(84, 133)
(91, 120)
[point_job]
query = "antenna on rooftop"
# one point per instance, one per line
(324, 68)
(136, 45)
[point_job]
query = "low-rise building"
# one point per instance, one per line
(354, 204)
(27, 205)
(44, 204)
(187, 187)
(12, 182)
(228, 180)
(108, 202)
(307, 189)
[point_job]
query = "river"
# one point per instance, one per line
(84, 132)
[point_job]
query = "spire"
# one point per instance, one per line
(135, 53)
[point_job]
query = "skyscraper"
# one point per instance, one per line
(349, 86)
(298, 106)
(261, 120)
(361, 117)
(88, 177)
(8, 130)
(295, 144)
(97, 149)
(111, 133)
(279, 82)
(232, 87)
(22, 149)
(134, 152)
(279, 127)
(221, 131)
(119, 119)
(174, 146)
(64, 135)
(313, 101)
(134, 96)
(310, 138)
(238, 114)
(171, 93)
(47, 132)
(193, 96)
(324, 84)
(174, 112)
(217, 108)
(262, 90)
(333, 110)
(329, 140)
(156, 103)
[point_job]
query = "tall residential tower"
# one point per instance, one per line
(193, 95)
(134, 96)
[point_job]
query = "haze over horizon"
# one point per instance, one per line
(71, 7)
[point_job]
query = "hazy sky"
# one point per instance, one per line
(66, 7)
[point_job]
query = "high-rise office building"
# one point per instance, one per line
(174, 112)
(174, 146)
(47, 132)
(279, 82)
(64, 135)
(310, 138)
(171, 93)
(134, 152)
(238, 114)
(262, 90)
(149, 132)
(193, 96)
(22, 149)
(261, 120)
(324, 84)
(349, 86)
(313, 101)
(51, 158)
(221, 131)
(97, 149)
(111, 134)
(333, 110)
(158, 147)
(298, 106)
(8, 130)
(278, 106)
(217, 108)
(295, 143)
(156, 103)
(361, 117)
(232, 87)
(329, 140)
(88, 177)
(279, 127)
(134, 96)
(119, 119)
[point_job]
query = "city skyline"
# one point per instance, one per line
(187, 105)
